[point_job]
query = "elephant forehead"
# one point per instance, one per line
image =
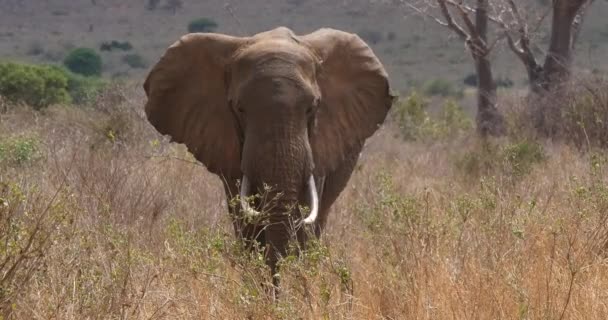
(275, 49)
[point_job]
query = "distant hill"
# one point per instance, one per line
(412, 49)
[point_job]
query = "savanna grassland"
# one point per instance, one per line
(102, 218)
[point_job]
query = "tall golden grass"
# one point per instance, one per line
(104, 219)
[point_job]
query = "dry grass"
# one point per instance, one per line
(119, 228)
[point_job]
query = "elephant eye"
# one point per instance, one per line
(311, 108)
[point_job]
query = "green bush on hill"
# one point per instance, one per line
(36, 85)
(118, 45)
(83, 89)
(135, 61)
(84, 61)
(42, 85)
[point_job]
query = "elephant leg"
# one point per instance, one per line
(245, 231)
(335, 182)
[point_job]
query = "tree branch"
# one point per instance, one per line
(450, 21)
(521, 48)
(578, 22)
(424, 13)
(465, 17)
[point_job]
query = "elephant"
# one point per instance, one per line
(276, 113)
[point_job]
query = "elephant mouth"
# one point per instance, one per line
(251, 212)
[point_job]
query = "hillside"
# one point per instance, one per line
(413, 49)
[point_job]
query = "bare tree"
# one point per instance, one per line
(546, 80)
(470, 24)
(518, 24)
(567, 18)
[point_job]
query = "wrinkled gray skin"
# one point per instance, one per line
(275, 108)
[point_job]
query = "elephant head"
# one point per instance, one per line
(272, 109)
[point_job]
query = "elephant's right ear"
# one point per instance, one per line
(187, 99)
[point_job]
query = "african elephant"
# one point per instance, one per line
(274, 109)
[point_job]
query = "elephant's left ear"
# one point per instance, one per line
(355, 96)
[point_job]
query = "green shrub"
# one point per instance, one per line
(521, 156)
(17, 151)
(135, 61)
(83, 89)
(202, 25)
(42, 85)
(441, 87)
(412, 116)
(112, 45)
(513, 160)
(84, 61)
(36, 85)
(416, 124)
(29, 226)
(471, 80)
(452, 120)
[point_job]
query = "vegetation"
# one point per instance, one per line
(578, 115)
(202, 25)
(106, 220)
(471, 80)
(37, 86)
(42, 85)
(115, 45)
(415, 123)
(135, 60)
(18, 151)
(441, 87)
(510, 161)
(84, 61)
(101, 217)
(83, 89)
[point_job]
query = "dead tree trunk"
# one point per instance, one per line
(559, 57)
(489, 120)
(474, 34)
(546, 80)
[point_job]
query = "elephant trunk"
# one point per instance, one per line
(278, 166)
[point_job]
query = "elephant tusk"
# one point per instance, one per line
(247, 210)
(314, 201)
